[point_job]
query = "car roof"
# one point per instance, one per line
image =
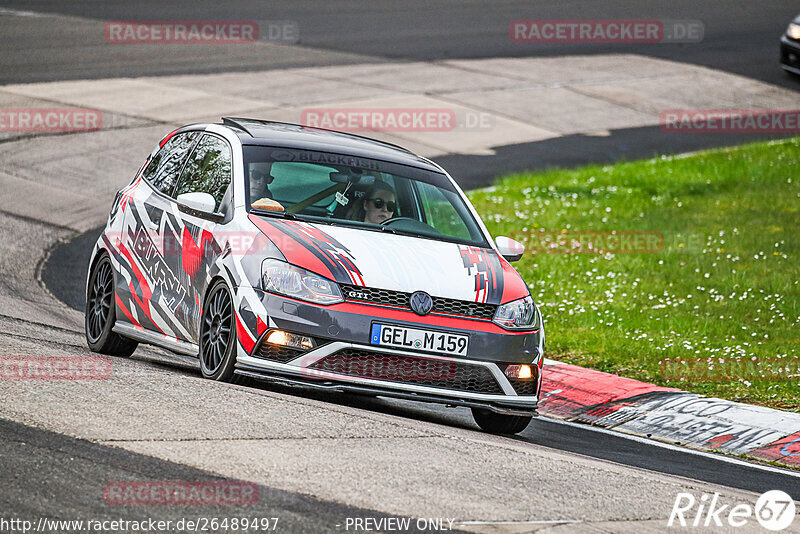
(288, 135)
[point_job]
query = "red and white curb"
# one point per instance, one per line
(667, 414)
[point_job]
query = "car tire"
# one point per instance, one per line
(100, 313)
(497, 423)
(218, 340)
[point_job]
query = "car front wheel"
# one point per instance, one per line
(218, 335)
(496, 423)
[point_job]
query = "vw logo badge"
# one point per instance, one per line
(421, 303)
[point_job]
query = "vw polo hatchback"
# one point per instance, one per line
(281, 252)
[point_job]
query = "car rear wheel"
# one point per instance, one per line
(101, 314)
(496, 423)
(218, 335)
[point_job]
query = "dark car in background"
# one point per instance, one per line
(790, 47)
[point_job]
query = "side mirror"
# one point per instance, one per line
(508, 248)
(202, 202)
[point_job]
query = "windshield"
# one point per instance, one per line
(358, 192)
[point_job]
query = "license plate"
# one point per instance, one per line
(413, 338)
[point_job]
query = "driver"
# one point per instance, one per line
(259, 182)
(378, 205)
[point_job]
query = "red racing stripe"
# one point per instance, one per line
(125, 310)
(167, 138)
(128, 193)
(429, 320)
(294, 251)
(147, 293)
(261, 326)
(144, 305)
(244, 335)
(514, 287)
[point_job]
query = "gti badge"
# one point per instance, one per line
(421, 303)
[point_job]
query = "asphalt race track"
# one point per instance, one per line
(316, 458)
(55, 40)
(740, 37)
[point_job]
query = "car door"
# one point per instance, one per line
(149, 238)
(207, 170)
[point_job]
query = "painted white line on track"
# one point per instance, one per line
(542, 522)
(18, 13)
(677, 448)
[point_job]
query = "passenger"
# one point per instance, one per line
(260, 195)
(259, 182)
(378, 204)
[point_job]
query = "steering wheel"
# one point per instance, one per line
(393, 220)
(409, 224)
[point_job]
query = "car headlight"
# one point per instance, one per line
(522, 314)
(285, 279)
(793, 31)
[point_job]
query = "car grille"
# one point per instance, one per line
(414, 370)
(524, 387)
(277, 353)
(400, 299)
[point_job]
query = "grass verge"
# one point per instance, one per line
(682, 271)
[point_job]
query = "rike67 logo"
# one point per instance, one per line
(774, 510)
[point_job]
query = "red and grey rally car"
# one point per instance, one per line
(301, 255)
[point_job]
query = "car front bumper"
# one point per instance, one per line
(343, 358)
(790, 55)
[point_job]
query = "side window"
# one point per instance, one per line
(208, 169)
(440, 212)
(162, 171)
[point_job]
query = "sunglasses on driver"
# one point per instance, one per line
(380, 203)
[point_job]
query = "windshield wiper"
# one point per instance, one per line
(281, 214)
(333, 222)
